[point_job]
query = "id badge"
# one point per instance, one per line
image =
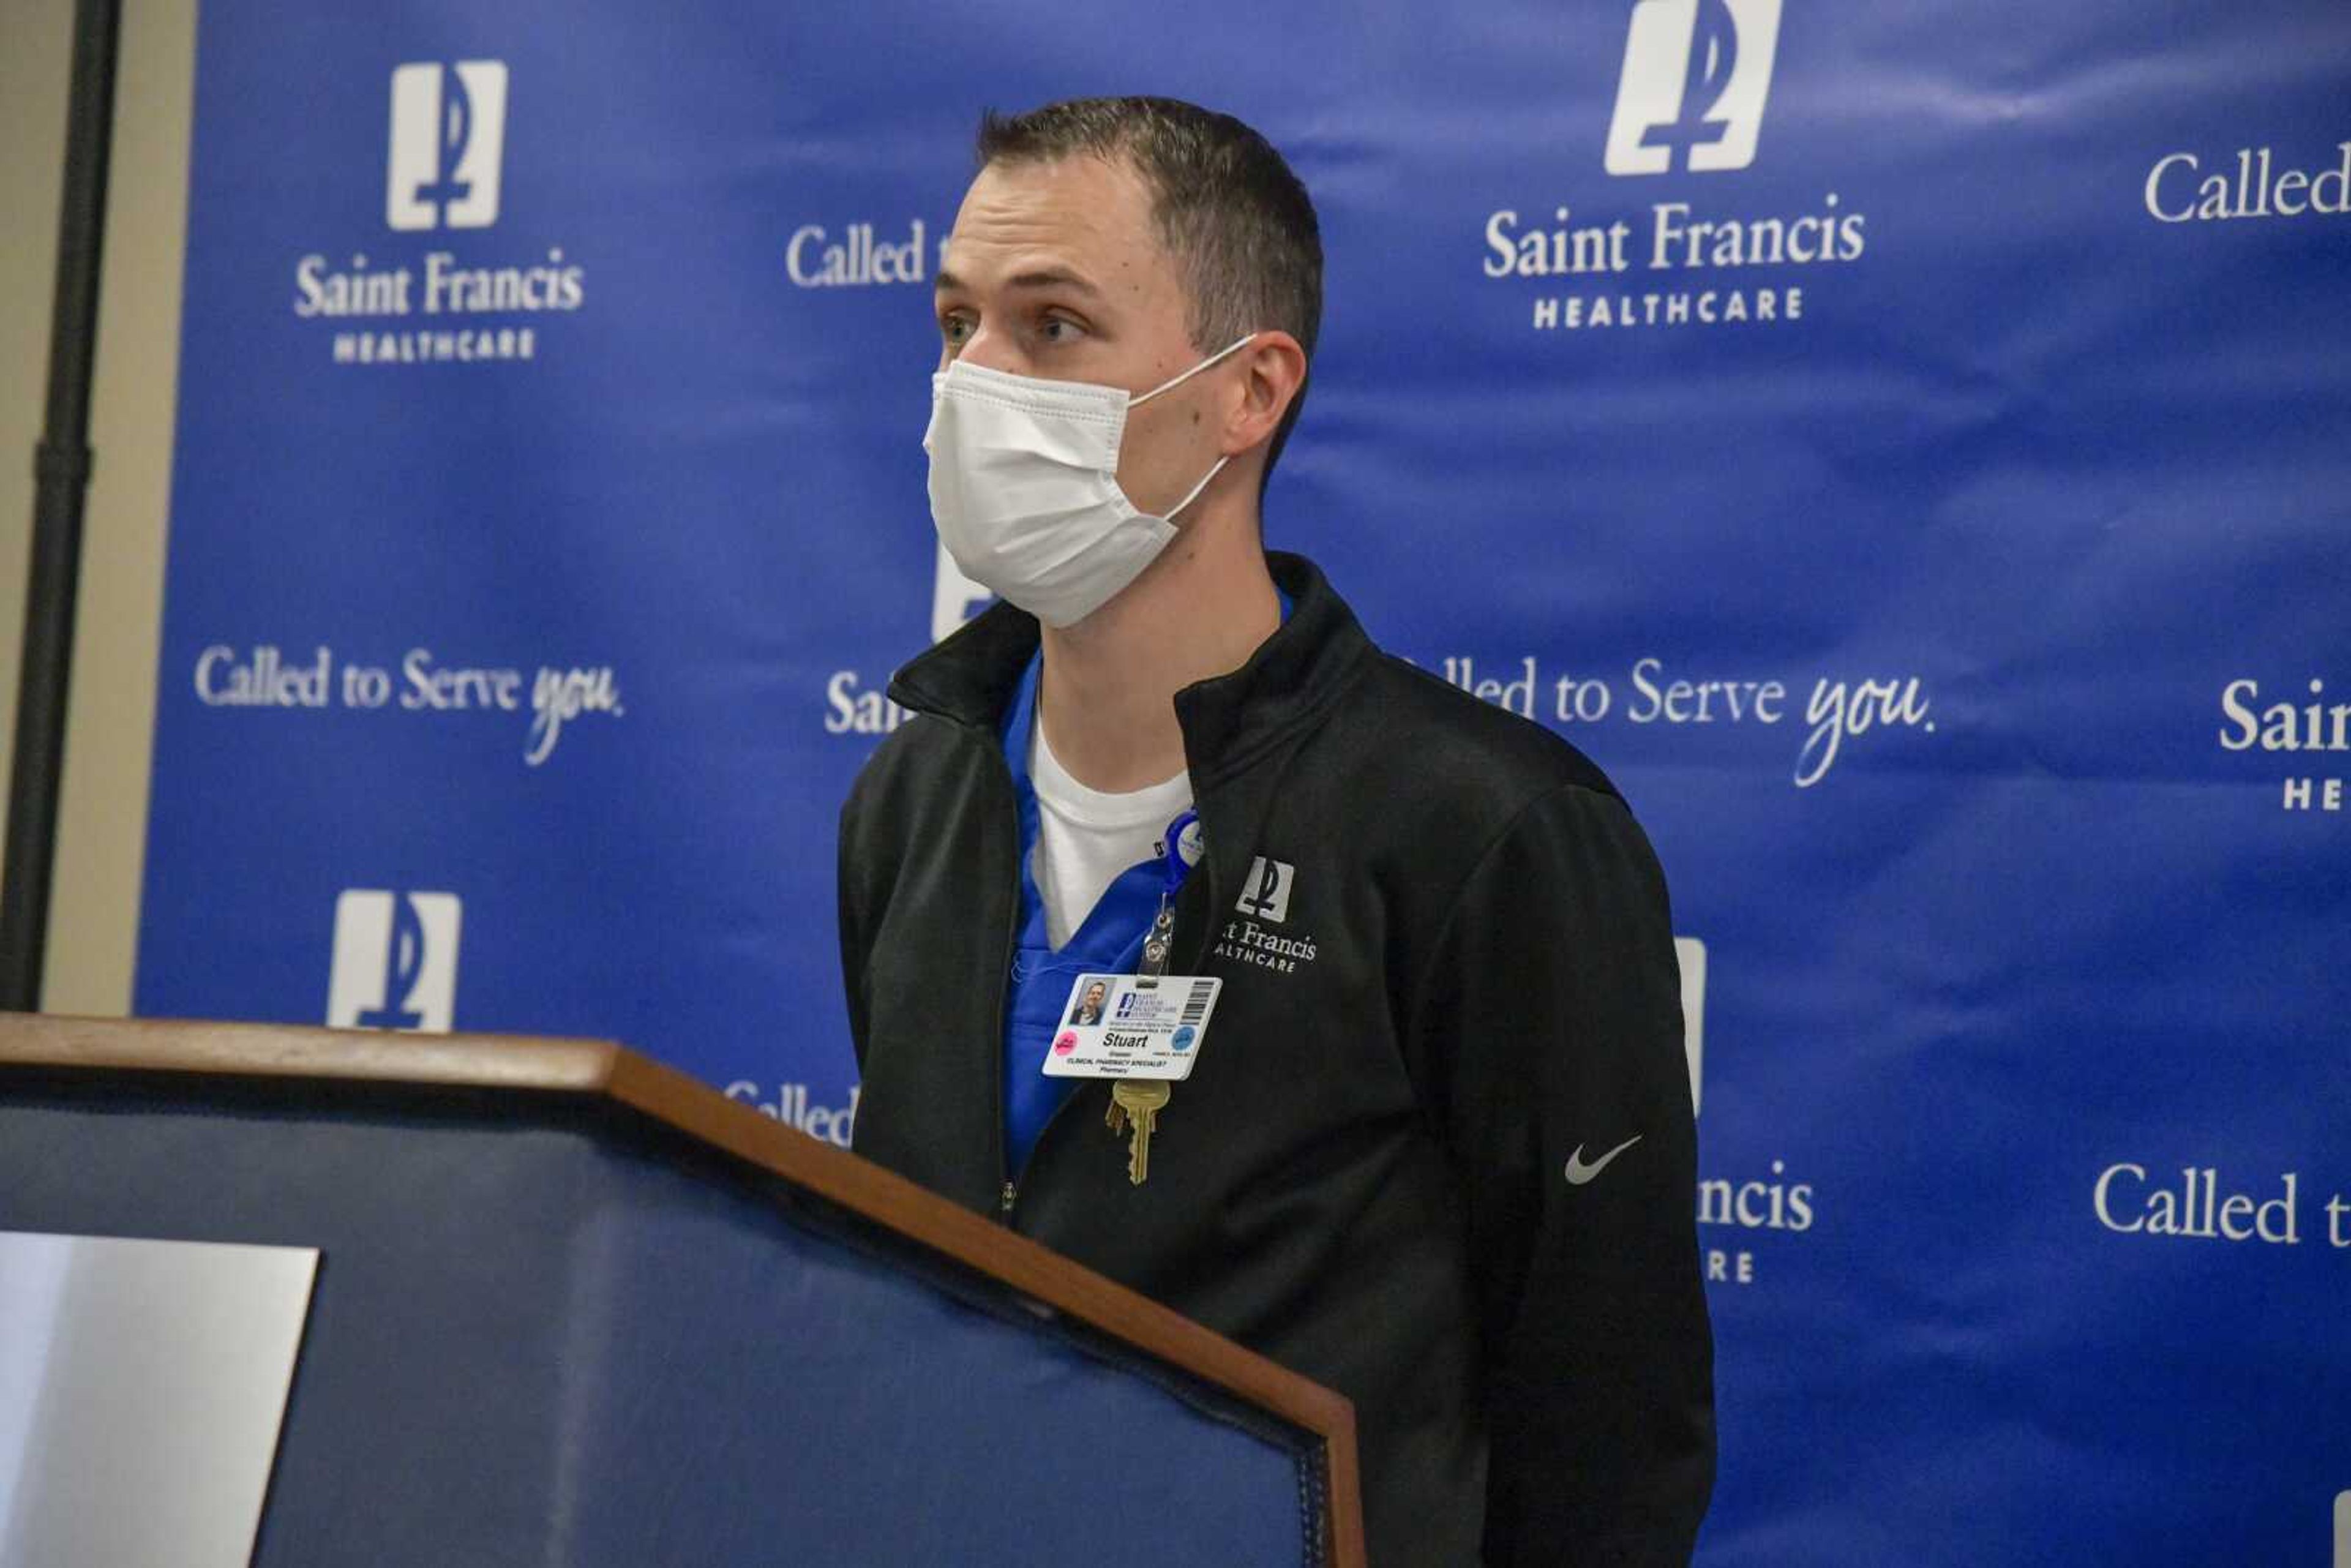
(1133, 1025)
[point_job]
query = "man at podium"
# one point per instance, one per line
(1386, 1080)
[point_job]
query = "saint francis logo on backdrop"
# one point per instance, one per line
(448, 143)
(955, 598)
(1695, 75)
(395, 961)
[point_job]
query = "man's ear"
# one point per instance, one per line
(1273, 367)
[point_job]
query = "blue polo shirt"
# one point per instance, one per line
(1109, 942)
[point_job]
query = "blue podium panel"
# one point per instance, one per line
(575, 1338)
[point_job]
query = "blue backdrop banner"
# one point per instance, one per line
(1905, 445)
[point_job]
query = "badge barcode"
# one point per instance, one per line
(1195, 1006)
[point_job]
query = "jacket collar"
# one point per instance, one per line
(1229, 721)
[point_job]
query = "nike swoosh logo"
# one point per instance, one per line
(1578, 1173)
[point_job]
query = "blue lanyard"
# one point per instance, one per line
(1163, 925)
(1178, 868)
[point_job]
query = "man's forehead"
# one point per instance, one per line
(1037, 221)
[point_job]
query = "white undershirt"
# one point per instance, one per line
(1085, 838)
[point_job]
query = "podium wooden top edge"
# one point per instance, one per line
(288, 1050)
(604, 1069)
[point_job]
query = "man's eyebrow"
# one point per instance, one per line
(1036, 278)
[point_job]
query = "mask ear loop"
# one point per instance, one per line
(1215, 469)
(1235, 347)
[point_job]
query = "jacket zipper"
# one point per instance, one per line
(1003, 999)
(1008, 1196)
(1011, 1193)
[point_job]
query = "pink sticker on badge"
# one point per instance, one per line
(1067, 1043)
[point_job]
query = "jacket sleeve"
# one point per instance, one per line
(1549, 1025)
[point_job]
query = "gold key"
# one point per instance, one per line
(1115, 1117)
(1141, 1099)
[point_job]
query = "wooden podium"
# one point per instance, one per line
(575, 1308)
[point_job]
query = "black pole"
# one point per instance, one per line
(61, 468)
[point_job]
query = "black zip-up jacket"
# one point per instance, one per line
(1449, 989)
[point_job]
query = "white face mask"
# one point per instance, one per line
(1024, 486)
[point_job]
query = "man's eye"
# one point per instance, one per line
(1060, 330)
(955, 330)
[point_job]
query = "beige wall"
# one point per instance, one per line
(102, 831)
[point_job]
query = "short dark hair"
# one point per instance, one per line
(1236, 221)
